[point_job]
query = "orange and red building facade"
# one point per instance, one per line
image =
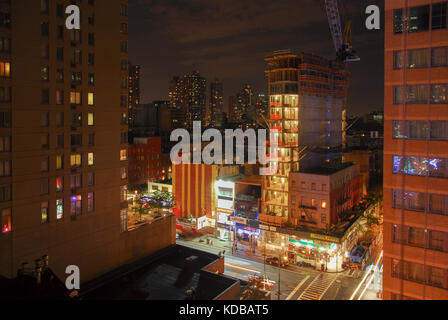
(416, 151)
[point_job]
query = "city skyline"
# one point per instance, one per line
(169, 39)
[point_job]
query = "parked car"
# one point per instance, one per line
(275, 261)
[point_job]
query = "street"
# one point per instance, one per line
(295, 283)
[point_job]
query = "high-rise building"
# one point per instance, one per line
(415, 151)
(309, 90)
(188, 100)
(216, 102)
(64, 151)
(244, 101)
(134, 91)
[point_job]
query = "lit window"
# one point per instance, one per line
(5, 69)
(124, 220)
(90, 158)
(76, 206)
(59, 209)
(75, 160)
(44, 212)
(75, 97)
(124, 155)
(44, 73)
(90, 99)
(59, 162)
(59, 184)
(123, 193)
(90, 202)
(6, 220)
(124, 173)
(324, 204)
(90, 119)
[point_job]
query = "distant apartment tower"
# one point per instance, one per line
(188, 100)
(307, 96)
(134, 90)
(216, 102)
(244, 101)
(64, 151)
(416, 151)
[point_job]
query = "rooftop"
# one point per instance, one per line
(165, 275)
(327, 170)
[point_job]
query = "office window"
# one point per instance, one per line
(60, 32)
(124, 155)
(439, 57)
(45, 51)
(44, 186)
(90, 119)
(419, 19)
(59, 209)
(75, 181)
(124, 82)
(76, 119)
(439, 93)
(5, 144)
(90, 99)
(421, 166)
(5, 94)
(75, 36)
(60, 141)
(409, 200)
(44, 167)
(123, 10)
(45, 141)
(124, 220)
(59, 184)
(124, 65)
(418, 58)
(91, 79)
(59, 162)
(5, 193)
(91, 19)
(59, 119)
(91, 59)
(5, 168)
(124, 46)
(6, 220)
(44, 6)
(44, 28)
(439, 13)
(45, 96)
(60, 54)
(75, 97)
(124, 119)
(76, 78)
(75, 160)
(60, 10)
(5, 120)
(324, 204)
(124, 138)
(90, 202)
(76, 140)
(123, 101)
(124, 173)
(123, 193)
(76, 206)
(91, 159)
(44, 73)
(59, 97)
(398, 21)
(124, 28)
(5, 20)
(91, 39)
(5, 45)
(90, 179)
(60, 75)
(91, 139)
(44, 213)
(436, 240)
(76, 57)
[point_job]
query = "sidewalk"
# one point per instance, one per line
(257, 257)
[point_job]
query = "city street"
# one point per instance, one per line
(295, 283)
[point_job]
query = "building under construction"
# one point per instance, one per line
(307, 96)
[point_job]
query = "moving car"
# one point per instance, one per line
(275, 261)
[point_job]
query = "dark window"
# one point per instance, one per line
(439, 11)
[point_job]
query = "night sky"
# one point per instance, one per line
(227, 39)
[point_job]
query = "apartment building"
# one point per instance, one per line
(416, 150)
(63, 141)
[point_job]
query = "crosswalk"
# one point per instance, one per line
(318, 287)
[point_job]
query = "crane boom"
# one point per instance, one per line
(334, 21)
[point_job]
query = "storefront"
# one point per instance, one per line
(224, 224)
(245, 234)
(315, 253)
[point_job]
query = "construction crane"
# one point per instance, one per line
(342, 41)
